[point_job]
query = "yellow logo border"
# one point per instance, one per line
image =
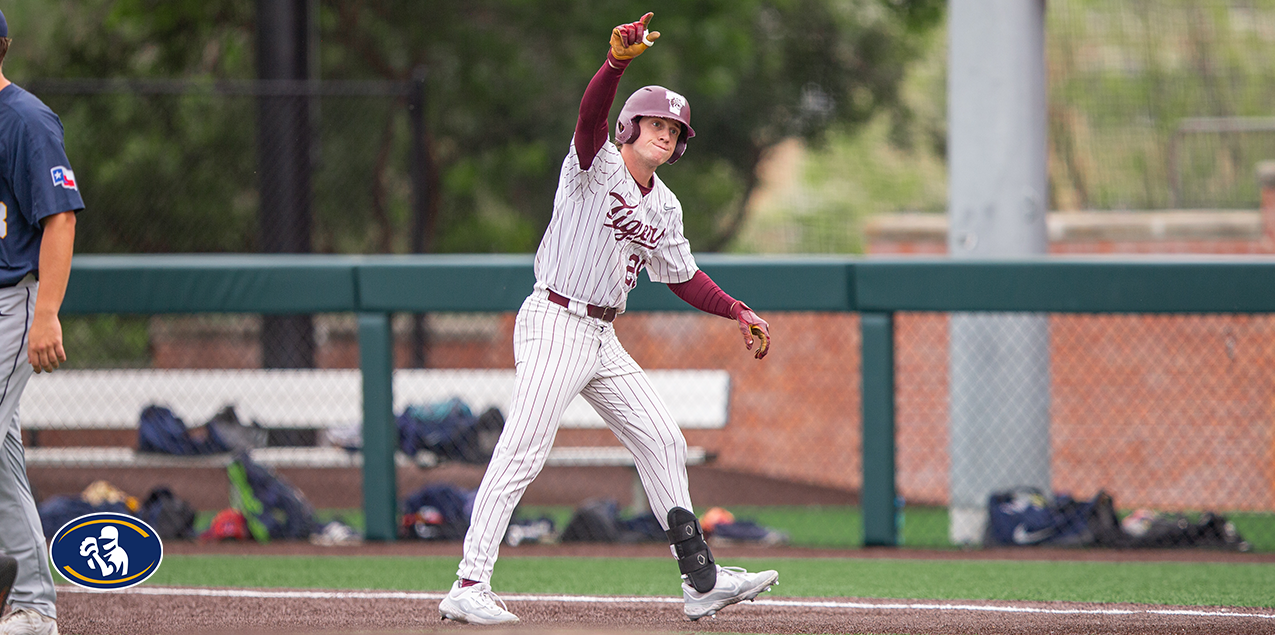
(118, 519)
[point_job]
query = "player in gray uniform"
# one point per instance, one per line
(612, 218)
(39, 199)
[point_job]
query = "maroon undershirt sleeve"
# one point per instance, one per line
(704, 294)
(591, 127)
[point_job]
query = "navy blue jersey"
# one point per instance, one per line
(36, 180)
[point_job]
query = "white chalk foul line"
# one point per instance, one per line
(593, 599)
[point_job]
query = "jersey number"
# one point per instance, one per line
(4, 220)
(631, 271)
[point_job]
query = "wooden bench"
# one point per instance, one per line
(314, 400)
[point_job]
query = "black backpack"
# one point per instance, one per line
(168, 515)
(228, 431)
(599, 520)
(450, 431)
(161, 431)
(1168, 530)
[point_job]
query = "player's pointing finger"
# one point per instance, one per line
(630, 40)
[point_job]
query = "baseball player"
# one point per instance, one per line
(612, 218)
(39, 199)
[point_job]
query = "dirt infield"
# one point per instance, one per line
(164, 610)
(147, 610)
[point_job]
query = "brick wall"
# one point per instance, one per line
(1171, 412)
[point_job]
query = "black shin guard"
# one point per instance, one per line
(694, 559)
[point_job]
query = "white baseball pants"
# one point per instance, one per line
(559, 353)
(21, 535)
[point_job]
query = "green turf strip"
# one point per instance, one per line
(841, 526)
(832, 526)
(1203, 584)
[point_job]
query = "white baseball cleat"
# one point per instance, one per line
(474, 604)
(734, 584)
(27, 622)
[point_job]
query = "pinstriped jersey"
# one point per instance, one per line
(604, 232)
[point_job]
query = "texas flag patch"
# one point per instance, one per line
(64, 177)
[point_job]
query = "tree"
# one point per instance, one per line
(506, 78)
(158, 172)
(504, 81)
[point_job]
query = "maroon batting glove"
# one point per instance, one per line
(630, 40)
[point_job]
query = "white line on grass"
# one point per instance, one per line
(592, 599)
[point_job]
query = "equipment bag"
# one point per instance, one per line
(599, 520)
(450, 431)
(160, 430)
(56, 511)
(1174, 530)
(234, 435)
(1027, 516)
(437, 512)
(170, 516)
(273, 508)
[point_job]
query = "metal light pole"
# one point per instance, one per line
(996, 155)
(284, 159)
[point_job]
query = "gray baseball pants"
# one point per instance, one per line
(21, 535)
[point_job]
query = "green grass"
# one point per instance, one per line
(351, 517)
(827, 526)
(830, 526)
(1257, 529)
(1202, 584)
(833, 526)
(926, 527)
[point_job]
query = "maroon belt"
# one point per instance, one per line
(604, 313)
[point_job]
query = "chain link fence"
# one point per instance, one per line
(1168, 416)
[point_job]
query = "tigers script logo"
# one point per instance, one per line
(621, 219)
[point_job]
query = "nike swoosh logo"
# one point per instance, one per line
(1024, 537)
(669, 208)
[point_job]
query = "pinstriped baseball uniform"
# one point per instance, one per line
(603, 233)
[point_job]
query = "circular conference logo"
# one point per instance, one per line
(106, 551)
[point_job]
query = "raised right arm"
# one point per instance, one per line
(627, 42)
(591, 127)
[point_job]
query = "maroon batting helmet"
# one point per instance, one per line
(655, 101)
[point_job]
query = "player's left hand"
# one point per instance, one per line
(755, 330)
(630, 40)
(44, 344)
